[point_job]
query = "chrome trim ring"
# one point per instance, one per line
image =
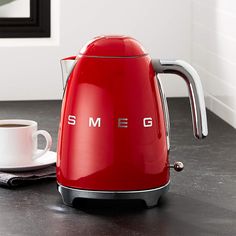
(150, 196)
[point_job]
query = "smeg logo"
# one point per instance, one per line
(121, 122)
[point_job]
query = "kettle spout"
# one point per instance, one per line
(67, 65)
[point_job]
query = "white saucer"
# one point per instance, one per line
(45, 160)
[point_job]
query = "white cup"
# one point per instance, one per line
(18, 142)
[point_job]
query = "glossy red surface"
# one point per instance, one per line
(109, 157)
(113, 46)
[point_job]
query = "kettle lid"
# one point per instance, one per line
(113, 46)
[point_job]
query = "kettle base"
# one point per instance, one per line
(149, 196)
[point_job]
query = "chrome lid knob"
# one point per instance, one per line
(178, 166)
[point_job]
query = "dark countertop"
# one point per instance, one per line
(201, 199)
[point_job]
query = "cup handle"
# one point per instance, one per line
(48, 138)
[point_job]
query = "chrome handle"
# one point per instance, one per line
(166, 111)
(196, 96)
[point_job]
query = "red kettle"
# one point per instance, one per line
(114, 129)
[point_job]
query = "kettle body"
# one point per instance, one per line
(113, 135)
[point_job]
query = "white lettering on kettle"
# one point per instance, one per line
(71, 120)
(121, 122)
(94, 124)
(147, 122)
